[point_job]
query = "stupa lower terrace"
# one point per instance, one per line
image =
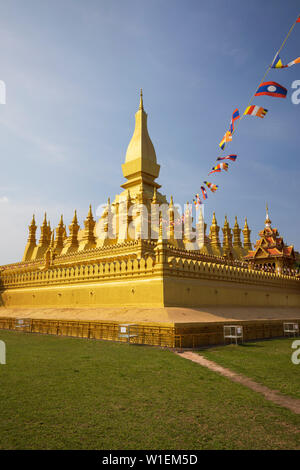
(142, 255)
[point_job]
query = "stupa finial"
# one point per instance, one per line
(141, 106)
(268, 221)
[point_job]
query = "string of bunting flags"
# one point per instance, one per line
(265, 88)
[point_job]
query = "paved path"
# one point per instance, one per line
(293, 404)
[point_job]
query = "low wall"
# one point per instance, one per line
(192, 336)
(141, 334)
(209, 334)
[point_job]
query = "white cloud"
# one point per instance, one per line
(3, 199)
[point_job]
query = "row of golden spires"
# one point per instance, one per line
(61, 243)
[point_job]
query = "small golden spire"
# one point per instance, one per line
(214, 235)
(75, 221)
(89, 240)
(237, 235)
(226, 223)
(33, 221)
(171, 202)
(246, 233)
(90, 213)
(227, 237)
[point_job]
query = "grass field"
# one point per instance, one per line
(67, 393)
(268, 362)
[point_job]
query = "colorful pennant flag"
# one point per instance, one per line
(204, 193)
(227, 138)
(271, 89)
(235, 116)
(256, 111)
(277, 62)
(219, 167)
(211, 186)
(228, 157)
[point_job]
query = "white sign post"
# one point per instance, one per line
(2, 352)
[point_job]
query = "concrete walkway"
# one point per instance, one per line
(293, 404)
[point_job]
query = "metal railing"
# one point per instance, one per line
(141, 334)
(147, 334)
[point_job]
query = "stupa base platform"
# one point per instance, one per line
(167, 327)
(164, 315)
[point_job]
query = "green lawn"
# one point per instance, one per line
(68, 393)
(268, 362)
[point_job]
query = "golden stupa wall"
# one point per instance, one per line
(161, 280)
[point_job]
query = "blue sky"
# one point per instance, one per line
(73, 70)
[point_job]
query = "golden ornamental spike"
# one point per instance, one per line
(74, 221)
(90, 213)
(141, 105)
(33, 221)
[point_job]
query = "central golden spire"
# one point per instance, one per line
(140, 162)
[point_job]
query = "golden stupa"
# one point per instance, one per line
(132, 258)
